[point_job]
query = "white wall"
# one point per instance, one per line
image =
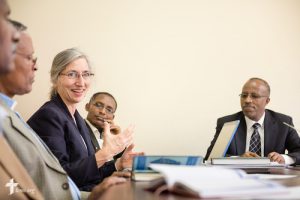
(174, 66)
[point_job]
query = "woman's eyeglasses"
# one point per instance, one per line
(76, 75)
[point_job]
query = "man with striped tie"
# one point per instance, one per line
(261, 132)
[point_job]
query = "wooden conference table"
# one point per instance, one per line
(135, 190)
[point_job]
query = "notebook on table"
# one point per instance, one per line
(142, 172)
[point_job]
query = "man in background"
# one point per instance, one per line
(261, 132)
(101, 107)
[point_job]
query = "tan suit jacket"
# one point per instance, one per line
(41, 164)
(11, 168)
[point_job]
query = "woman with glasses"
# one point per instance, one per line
(64, 131)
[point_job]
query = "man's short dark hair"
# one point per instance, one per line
(264, 82)
(104, 93)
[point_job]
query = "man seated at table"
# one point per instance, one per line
(101, 108)
(261, 132)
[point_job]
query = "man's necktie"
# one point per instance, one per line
(255, 144)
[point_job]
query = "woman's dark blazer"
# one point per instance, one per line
(55, 125)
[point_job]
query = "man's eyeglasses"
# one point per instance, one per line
(28, 57)
(109, 110)
(75, 75)
(251, 95)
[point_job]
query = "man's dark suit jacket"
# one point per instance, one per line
(96, 144)
(277, 136)
(55, 125)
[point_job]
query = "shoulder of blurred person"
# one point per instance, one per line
(41, 165)
(15, 181)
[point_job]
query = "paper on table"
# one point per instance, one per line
(203, 173)
(293, 193)
(216, 182)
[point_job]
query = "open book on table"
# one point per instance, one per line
(211, 182)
